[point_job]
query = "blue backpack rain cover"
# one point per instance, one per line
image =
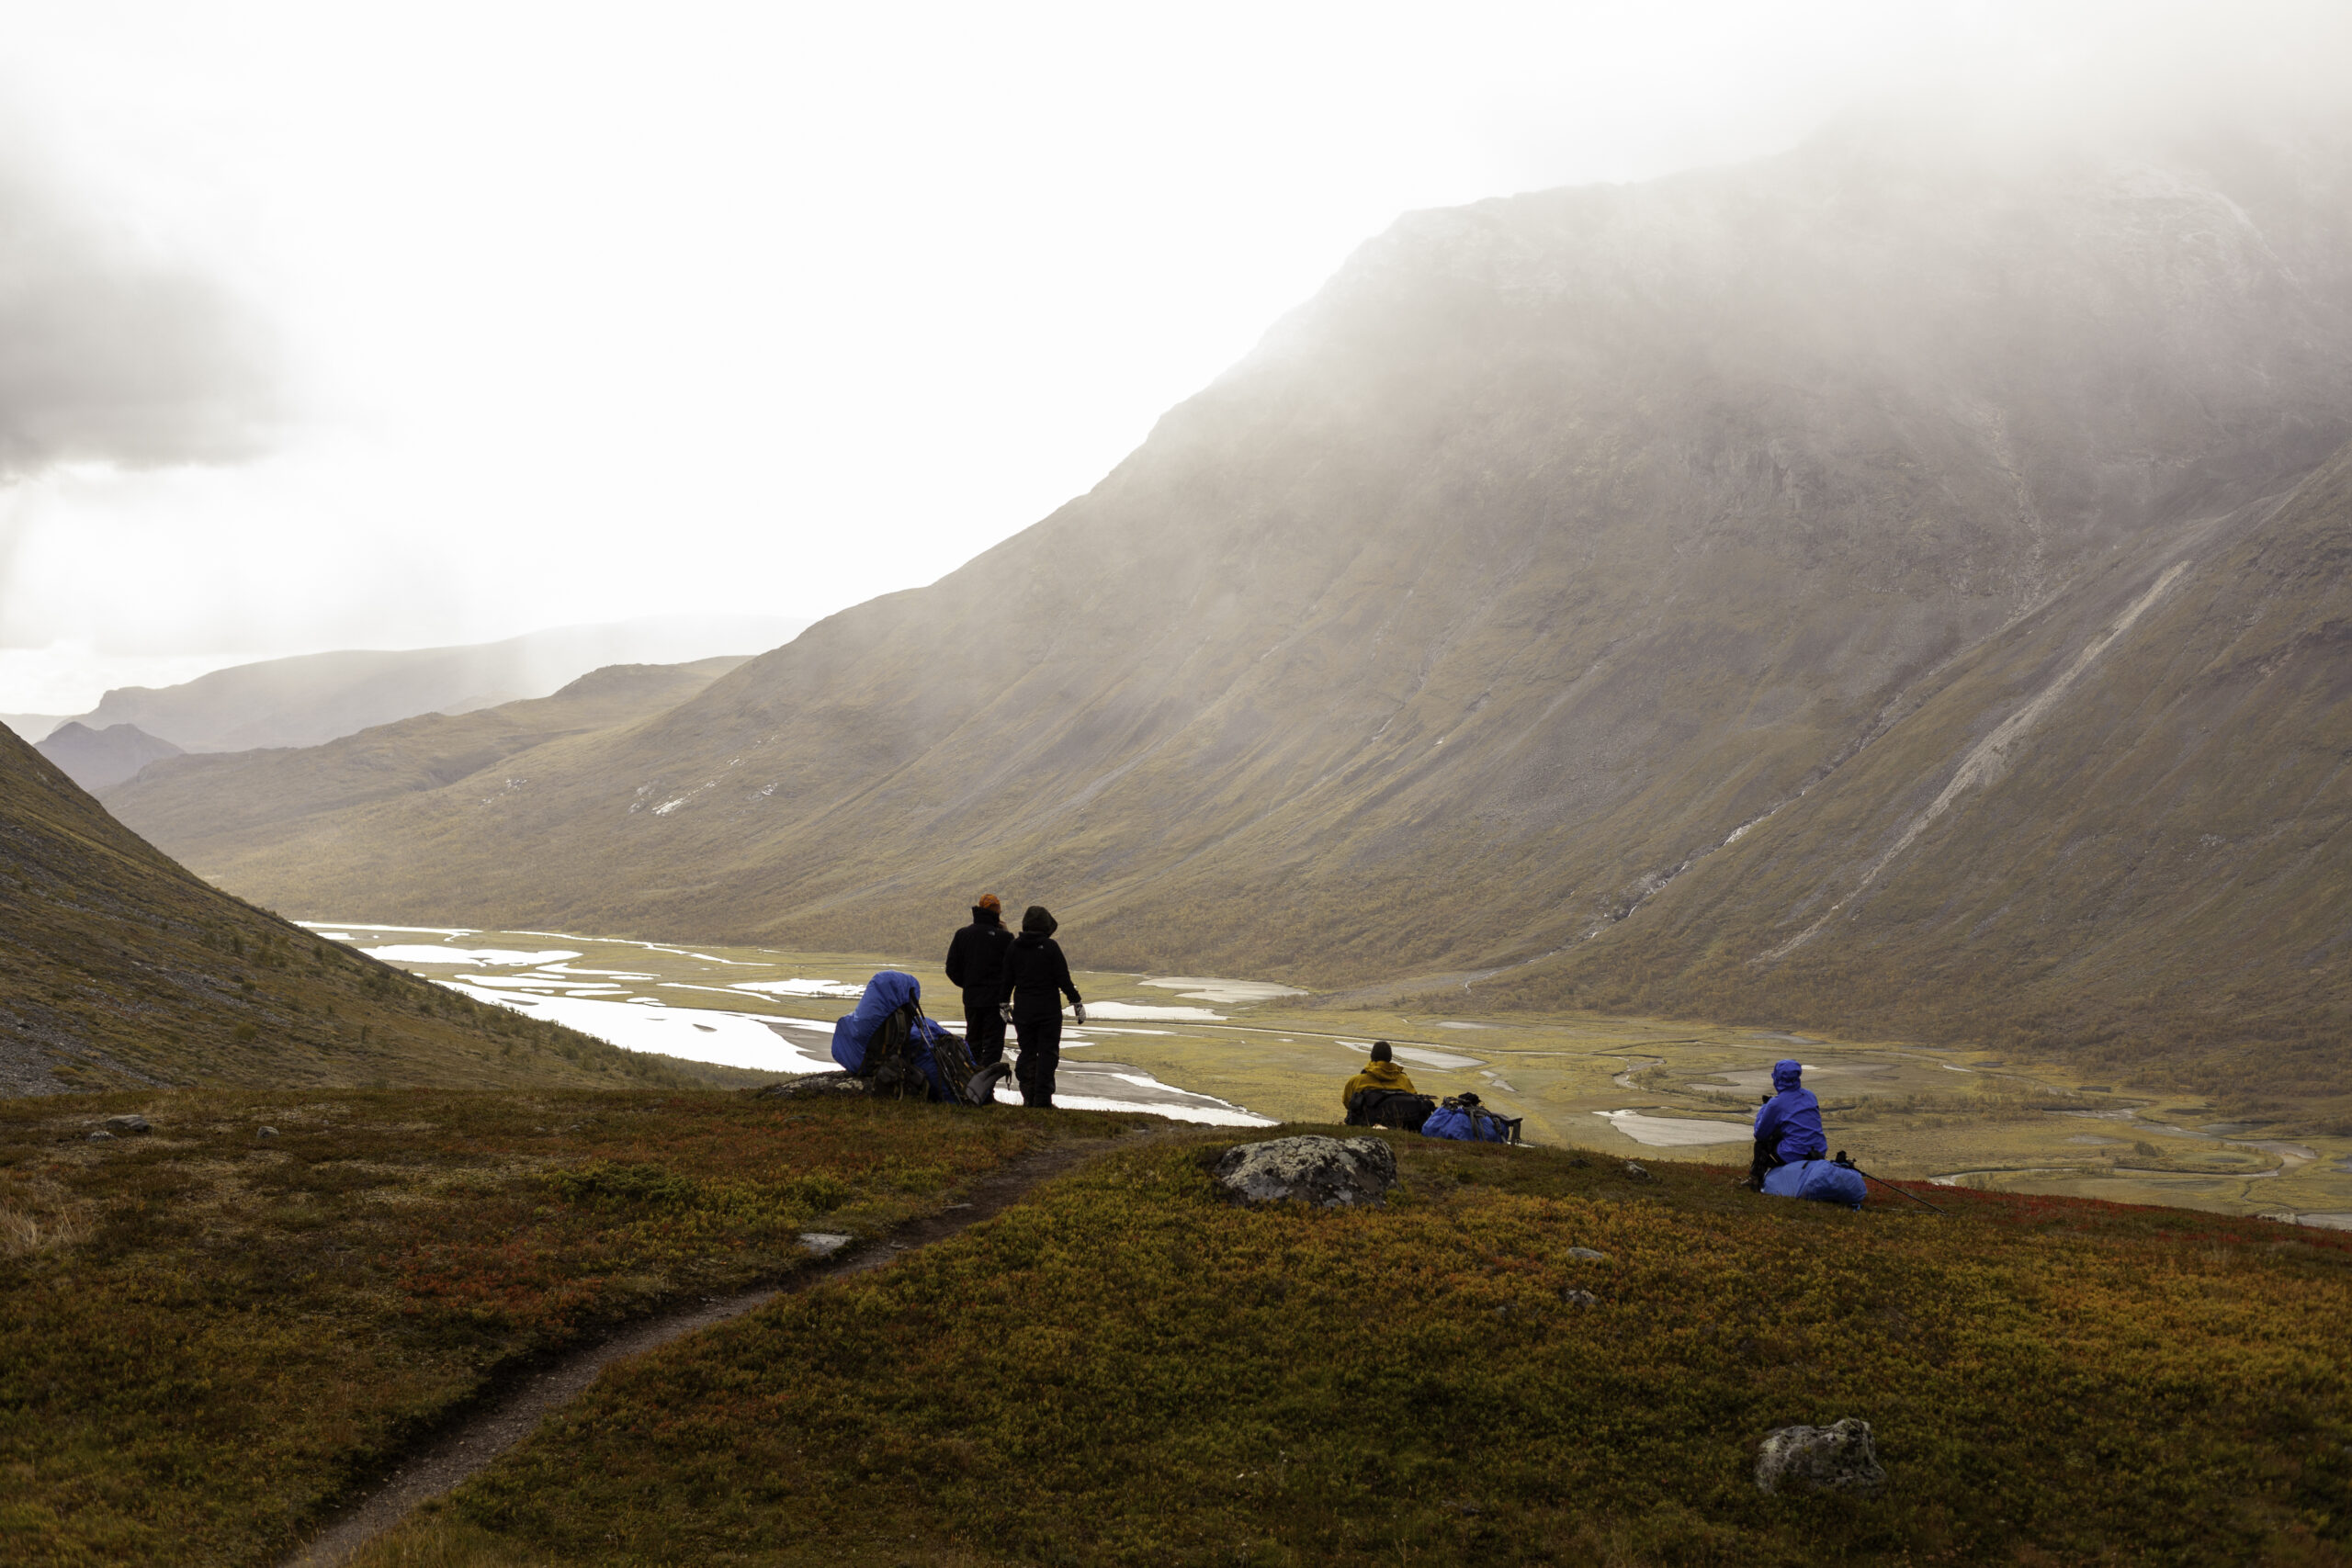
(885, 994)
(1466, 1122)
(1823, 1180)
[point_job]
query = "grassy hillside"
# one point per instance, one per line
(211, 810)
(118, 968)
(1558, 541)
(208, 1336)
(1126, 1369)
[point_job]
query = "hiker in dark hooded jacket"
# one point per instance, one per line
(1036, 977)
(1788, 1126)
(976, 967)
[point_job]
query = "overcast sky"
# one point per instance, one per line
(343, 325)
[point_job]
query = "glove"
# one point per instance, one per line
(1004, 1012)
(1080, 1008)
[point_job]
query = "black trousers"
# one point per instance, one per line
(1041, 1053)
(983, 1029)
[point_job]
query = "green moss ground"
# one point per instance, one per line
(1126, 1369)
(208, 1336)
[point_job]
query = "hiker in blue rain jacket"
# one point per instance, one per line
(1788, 1126)
(1466, 1119)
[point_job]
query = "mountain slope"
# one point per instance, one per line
(95, 759)
(207, 810)
(314, 698)
(1557, 539)
(118, 969)
(2132, 810)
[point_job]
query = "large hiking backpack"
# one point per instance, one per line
(891, 1046)
(1470, 1124)
(1389, 1108)
(892, 1069)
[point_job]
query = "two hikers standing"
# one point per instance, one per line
(1016, 980)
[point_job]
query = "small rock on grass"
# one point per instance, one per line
(102, 1136)
(267, 1132)
(824, 1244)
(1589, 1255)
(1581, 1299)
(1839, 1458)
(125, 1126)
(1636, 1172)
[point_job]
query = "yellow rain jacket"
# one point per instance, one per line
(1376, 1075)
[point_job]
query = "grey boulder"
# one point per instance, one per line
(125, 1126)
(1588, 1255)
(1839, 1458)
(1318, 1170)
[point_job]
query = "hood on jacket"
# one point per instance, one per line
(1786, 1076)
(1038, 919)
(1382, 1075)
(986, 915)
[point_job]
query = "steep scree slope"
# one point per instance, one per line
(1556, 539)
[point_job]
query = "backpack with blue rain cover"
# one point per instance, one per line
(1823, 1180)
(889, 1044)
(1468, 1121)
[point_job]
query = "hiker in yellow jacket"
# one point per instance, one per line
(1381, 1072)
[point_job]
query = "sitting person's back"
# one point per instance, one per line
(1788, 1126)
(1381, 1073)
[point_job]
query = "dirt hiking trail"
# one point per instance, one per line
(479, 1432)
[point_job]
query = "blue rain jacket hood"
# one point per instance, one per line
(885, 995)
(1790, 1122)
(1823, 1182)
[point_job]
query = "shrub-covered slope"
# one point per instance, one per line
(208, 1337)
(1555, 541)
(1126, 1369)
(119, 967)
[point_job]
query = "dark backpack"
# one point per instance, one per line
(1389, 1108)
(890, 1066)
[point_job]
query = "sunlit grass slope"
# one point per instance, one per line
(118, 969)
(207, 1335)
(1128, 1370)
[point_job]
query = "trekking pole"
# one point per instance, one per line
(1891, 1187)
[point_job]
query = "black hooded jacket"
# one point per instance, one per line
(975, 958)
(1033, 970)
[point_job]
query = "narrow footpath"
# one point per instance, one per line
(481, 1433)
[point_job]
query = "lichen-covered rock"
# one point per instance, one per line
(1838, 1458)
(125, 1126)
(1323, 1171)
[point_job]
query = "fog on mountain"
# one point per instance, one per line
(1573, 561)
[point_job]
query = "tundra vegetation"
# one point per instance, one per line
(1126, 1368)
(208, 1335)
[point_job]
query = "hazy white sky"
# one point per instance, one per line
(575, 312)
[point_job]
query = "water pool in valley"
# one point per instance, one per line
(1244, 1053)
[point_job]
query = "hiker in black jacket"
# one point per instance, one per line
(976, 967)
(1036, 977)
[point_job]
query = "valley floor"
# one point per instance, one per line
(1245, 1052)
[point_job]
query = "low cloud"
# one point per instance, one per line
(113, 353)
